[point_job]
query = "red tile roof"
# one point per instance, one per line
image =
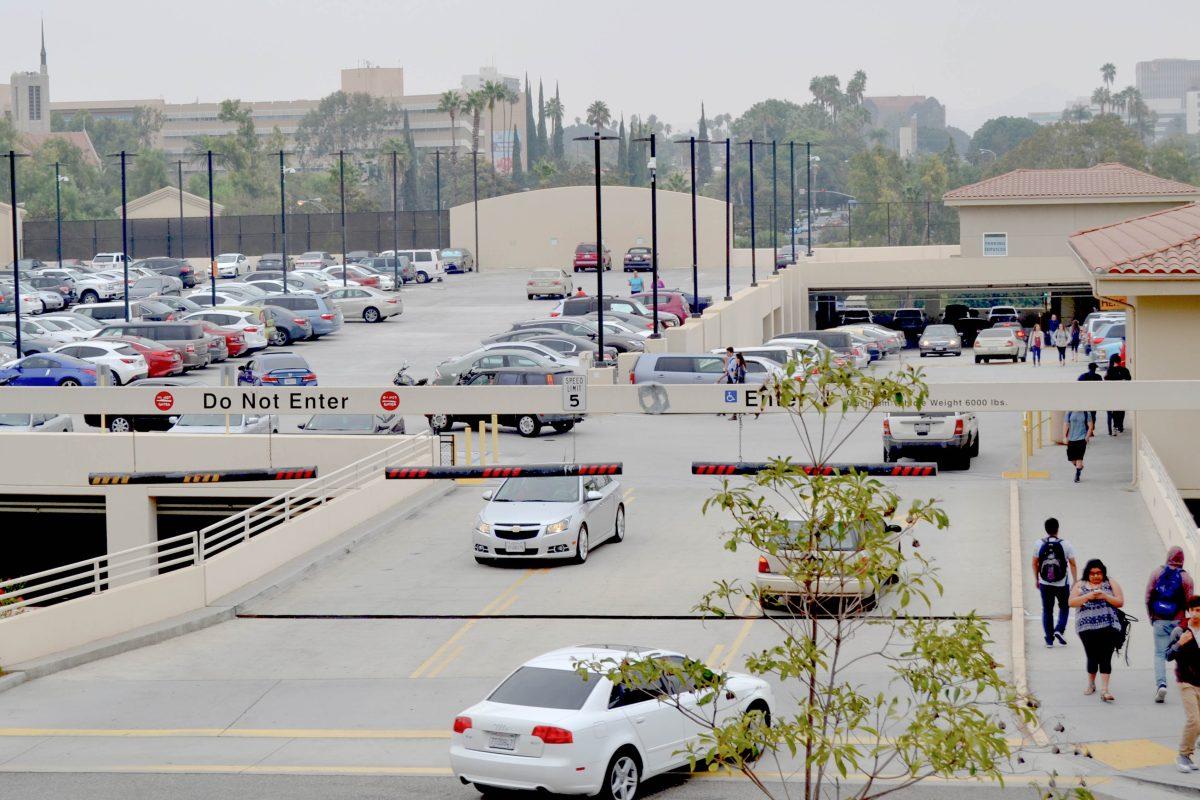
(1100, 181)
(1164, 243)
(79, 139)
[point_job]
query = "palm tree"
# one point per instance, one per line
(856, 87)
(1101, 96)
(1109, 73)
(473, 105)
(1120, 101)
(451, 102)
(598, 115)
(555, 110)
(493, 92)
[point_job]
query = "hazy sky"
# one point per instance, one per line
(651, 56)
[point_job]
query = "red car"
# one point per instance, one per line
(162, 361)
(585, 257)
(671, 302)
(235, 342)
(354, 275)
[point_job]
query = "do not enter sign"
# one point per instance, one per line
(389, 401)
(163, 401)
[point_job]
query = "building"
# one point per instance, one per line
(6, 253)
(77, 139)
(1167, 78)
(164, 204)
(29, 98)
(1191, 113)
(490, 74)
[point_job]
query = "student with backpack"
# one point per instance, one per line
(1184, 652)
(1097, 601)
(1051, 563)
(1167, 595)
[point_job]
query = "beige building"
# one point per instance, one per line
(164, 203)
(29, 98)
(541, 228)
(6, 253)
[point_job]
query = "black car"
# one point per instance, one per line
(175, 267)
(588, 329)
(64, 286)
(696, 303)
(128, 423)
(526, 424)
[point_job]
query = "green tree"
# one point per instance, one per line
(1000, 135)
(704, 166)
(543, 146)
(531, 144)
(1174, 159)
(1101, 97)
(1108, 72)
(555, 110)
(450, 102)
(493, 92)
(411, 181)
(1083, 144)
(518, 171)
(474, 104)
(344, 121)
(945, 707)
(148, 173)
(598, 115)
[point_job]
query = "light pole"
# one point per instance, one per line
(691, 142)
(397, 281)
(652, 166)
(808, 162)
(124, 156)
(774, 212)
(12, 201)
(283, 257)
(342, 197)
(212, 234)
(728, 224)
(182, 252)
(59, 179)
(596, 138)
(475, 200)
(753, 235)
(792, 206)
(437, 171)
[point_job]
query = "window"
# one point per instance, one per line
(489, 362)
(38, 362)
(424, 255)
(545, 688)
(508, 379)
(710, 365)
(88, 352)
(995, 244)
(674, 364)
(520, 361)
(35, 102)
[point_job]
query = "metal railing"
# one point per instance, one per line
(95, 575)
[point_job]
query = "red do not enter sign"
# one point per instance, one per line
(389, 401)
(163, 401)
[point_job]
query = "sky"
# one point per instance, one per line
(980, 59)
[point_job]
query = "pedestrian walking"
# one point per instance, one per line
(580, 292)
(1052, 325)
(1116, 372)
(1078, 427)
(1091, 374)
(730, 361)
(1167, 593)
(1053, 565)
(1184, 652)
(1061, 339)
(1075, 336)
(660, 283)
(1037, 340)
(635, 284)
(1096, 599)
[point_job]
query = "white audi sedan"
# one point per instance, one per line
(547, 728)
(559, 518)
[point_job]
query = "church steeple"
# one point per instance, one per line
(43, 47)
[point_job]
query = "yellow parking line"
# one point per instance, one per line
(228, 733)
(273, 769)
(1133, 754)
(435, 671)
(714, 654)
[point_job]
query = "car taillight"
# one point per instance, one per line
(462, 724)
(270, 379)
(958, 427)
(552, 735)
(89, 372)
(763, 564)
(554, 313)
(191, 348)
(250, 329)
(1095, 340)
(327, 317)
(529, 283)
(887, 427)
(128, 360)
(393, 302)
(632, 377)
(308, 377)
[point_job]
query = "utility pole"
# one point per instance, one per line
(596, 138)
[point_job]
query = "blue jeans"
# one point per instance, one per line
(1163, 628)
(1050, 594)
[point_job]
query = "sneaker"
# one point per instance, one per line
(1185, 764)
(1058, 637)
(1161, 695)
(1049, 644)
(1077, 477)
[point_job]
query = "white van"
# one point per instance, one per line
(427, 263)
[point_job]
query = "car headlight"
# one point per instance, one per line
(924, 342)
(483, 528)
(559, 527)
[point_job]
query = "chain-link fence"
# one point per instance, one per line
(251, 234)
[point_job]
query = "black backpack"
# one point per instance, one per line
(1052, 561)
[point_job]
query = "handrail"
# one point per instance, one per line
(95, 575)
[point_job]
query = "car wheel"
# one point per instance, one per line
(280, 338)
(68, 382)
(622, 777)
(422, 277)
(975, 446)
(562, 427)
(887, 456)
(978, 359)
(581, 545)
(88, 297)
(120, 425)
(760, 709)
(922, 355)
(619, 525)
(439, 423)
(528, 297)
(528, 425)
(1015, 359)
(44, 309)
(371, 314)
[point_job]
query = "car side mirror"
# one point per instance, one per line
(594, 496)
(487, 495)
(252, 420)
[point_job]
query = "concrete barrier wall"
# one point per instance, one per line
(1172, 519)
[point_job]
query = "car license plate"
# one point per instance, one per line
(502, 741)
(921, 427)
(515, 547)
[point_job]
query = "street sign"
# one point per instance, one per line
(575, 394)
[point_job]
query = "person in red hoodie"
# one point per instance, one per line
(1167, 595)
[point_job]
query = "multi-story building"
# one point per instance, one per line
(1164, 84)
(29, 98)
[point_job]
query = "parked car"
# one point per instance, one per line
(219, 423)
(124, 363)
(322, 315)
(940, 340)
(856, 316)
(839, 342)
(233, 340)
(46, 299)
(585, 257)
(315, 258)
(128, 423)
(911, 322)
(36, 423)
(146, 309)
(670, 302)
(534, 350)
(158, 285)
(30, 343)
(48, 369)
(231, 265)
(458, 259)
(563, 343)
(179, 305)
(354, 424)
(696, 303)
(549, 283)
(889, 340)
(623, 342)
(355, 256)
(173, 267)
(64, 286)
(996, 343)
(274, 261)
(529, 732)
(948, 437)
(281, 368)
(637, 259)
(252, 334)
(39, 328)
(69, 330)
(785, 256)
(305, 279)
(488, 357)
(354, 275)
(677, 368)
(528, 425)
(161, 360)
(186, 337)
(1002, 311)
(107, 261)
(426, 263)
(89, 287)
(287, 326)
(363, 302)
(30, 304)
(391, 267)
(582, 306)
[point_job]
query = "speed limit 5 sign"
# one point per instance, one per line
(574, 393)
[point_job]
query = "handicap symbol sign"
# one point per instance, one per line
(731, 396)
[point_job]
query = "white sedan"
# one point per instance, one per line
(253, 331)
(546, 728)
(215, 423)
(231, 265)
(557, 518)
(371, 305)
(35, 423)
(125, 363)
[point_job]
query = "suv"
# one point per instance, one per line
(948, 437)
(582, 306)
(321, 313)
(458, 259)
(386, 265)
(910, 322)
(174, 267)
(138, 309)
(677, 368)
(188, 338)
(106, 261)
(839, 342)
(426, 264)
(1002, 311)
(585, 257)
(315, 259)
(526, 424)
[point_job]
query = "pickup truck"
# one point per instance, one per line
(911, 322)
(950, 438)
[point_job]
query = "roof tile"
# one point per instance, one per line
(1102, 180)
(1163, 243)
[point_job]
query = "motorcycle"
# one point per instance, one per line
(404, 379)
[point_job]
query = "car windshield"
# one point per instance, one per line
(545, 273)
(341, 422)
(993, 333)
(539, 490)
(827, 540)
(225, 259)
(282, 361)
(14, 420)
(908, 312)
(540, 687)
(209, 419)
(940, 330)
(56, 324)
(451, 253)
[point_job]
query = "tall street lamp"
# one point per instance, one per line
(283, 255)
(792, 205)
(342, 198)
(124, 156)
(753, 234)
(59, 179)
(774, 212)
(691, 142)
(179, 165)
(212, 233)
(437, 172)
(596, 138)
(728, 218)
(12, 201)
(652, 166)
(397, 282)
(475, 200)
(808, 162)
